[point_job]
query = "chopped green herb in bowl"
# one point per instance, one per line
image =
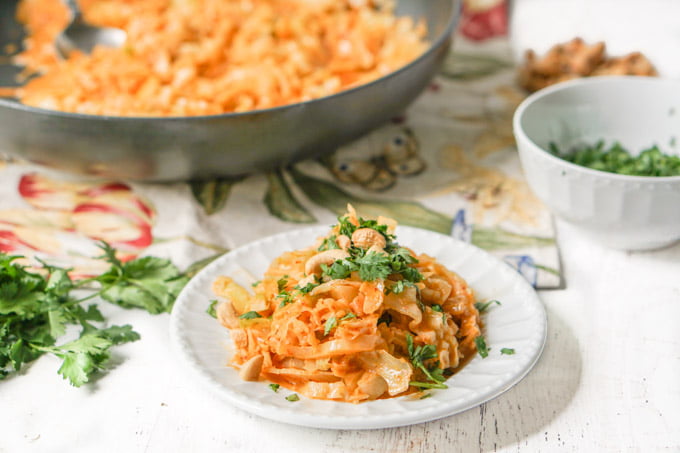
(634, 202)
(616, 159)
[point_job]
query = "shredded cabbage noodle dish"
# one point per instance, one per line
(210, 57)
(355, 317)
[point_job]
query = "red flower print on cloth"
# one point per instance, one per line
(26, 231)
(66, 218)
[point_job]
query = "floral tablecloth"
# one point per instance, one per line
(448, 164)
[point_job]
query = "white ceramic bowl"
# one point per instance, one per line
(624, 212)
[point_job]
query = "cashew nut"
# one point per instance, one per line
(372, 385)
(367, 237)
(376, 249)
(328, 257)
(343, 241)
(391, 223)
(306, 280)
(250, 370)
(227, 315)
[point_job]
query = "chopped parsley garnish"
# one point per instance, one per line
(347, 228)
(286, 298)
(348, 316)
(425, 395)
(328, 244)
(374, 266)
(411, 274)
(331, 323)
(616, 159)
(373, 224)
(400, 258)
(274, 387)
(307, 288)
(282, 282)
(483, 306)
(482, 349)
(427, 385)
(399, 286)
(371, 265)
(211, 308)
(421, 354)
(339, 270)
(250, 315)
(293, 397)
(438, 308)
(507, 351)
(256, 283)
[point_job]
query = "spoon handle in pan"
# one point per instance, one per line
(76, 13)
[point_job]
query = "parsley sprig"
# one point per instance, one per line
(38, 309)
(148, 282)
(421, 357)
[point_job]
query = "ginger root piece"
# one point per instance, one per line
(575, 59)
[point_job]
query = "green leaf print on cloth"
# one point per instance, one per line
(213, 194)
(494, 238)
(282, 203)
(197, 266)
(335, 199)
(465, 66)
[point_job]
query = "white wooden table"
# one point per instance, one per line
(608, 381)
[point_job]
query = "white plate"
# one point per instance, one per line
(204, 347)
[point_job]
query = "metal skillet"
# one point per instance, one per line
(180, 148)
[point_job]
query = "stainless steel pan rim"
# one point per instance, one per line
(176, 148)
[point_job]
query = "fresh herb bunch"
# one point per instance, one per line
(616, 159)
(37, 309)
